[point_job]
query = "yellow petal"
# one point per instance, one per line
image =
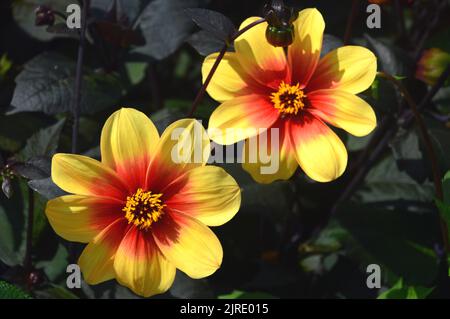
(344, 110)
(229, 80)
(349, 68)
(304, 53)
(184, 145)
(82, 175)
(319, 151)
(81, 218)
(140, 266)
(264, 166)
(96, 261)
(240, 118)
(265, 63)
(209, 194)
(128, 142)
(190, 245)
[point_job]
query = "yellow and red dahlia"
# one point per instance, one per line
(260, 87)
(431, 65)
(144, 209)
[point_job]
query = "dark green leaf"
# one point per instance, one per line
(205, 43)
(238, 294)
(330, 43)
(213, 22)
(165, 26)
(390, 59)
(8, 291)
(401, 291)
(7, 187)
(188, 288)
(43, 143)
(46, 187)
(385, 182)
(35, 168)
(387, 234)
(47, 85)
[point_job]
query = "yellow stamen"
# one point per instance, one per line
(289, 99)
(143, 209)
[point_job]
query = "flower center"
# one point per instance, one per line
(143, 209)
(289, 99)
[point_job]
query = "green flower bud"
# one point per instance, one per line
(280, 18)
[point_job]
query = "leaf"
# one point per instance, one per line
(43, 143)
(401, 291)
(239, 294)
(8, 291)
(7, 187)
(46, 84)
(446, 188)
(54, 292)
(399, 240)
(46, 187)
(56, 267)
(126, 9)
(188, 288)
(24, 15)
(165, 26)
(385, 182)
(136, 71)
(441, 143)
(12, 226)
(330, 43)
(164, 117)
(405, 146)
(204, 43)
(390, 59)
(213, 22)
(35, 168)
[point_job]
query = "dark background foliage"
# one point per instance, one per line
(292, 239)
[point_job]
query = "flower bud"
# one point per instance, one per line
(431, 65)
(44, 16)
(280, 31)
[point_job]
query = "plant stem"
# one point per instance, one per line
(202, 91)
(79, 78)
(219, 58)
(351, 21)
(27, 263)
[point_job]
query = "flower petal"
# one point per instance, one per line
(230, 79)
(81, 218)
(344, 110)
(264, 62)
(184, 145)
(258, 159)
(349, 68)
(304, 53)
(96, 261)
(208, 194)
(140, 266)
(190, 245)
(82, 175)
(128, 142)
(319, 151)
(240, 118)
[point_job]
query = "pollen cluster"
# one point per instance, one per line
(289, 99)
(143, 209)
